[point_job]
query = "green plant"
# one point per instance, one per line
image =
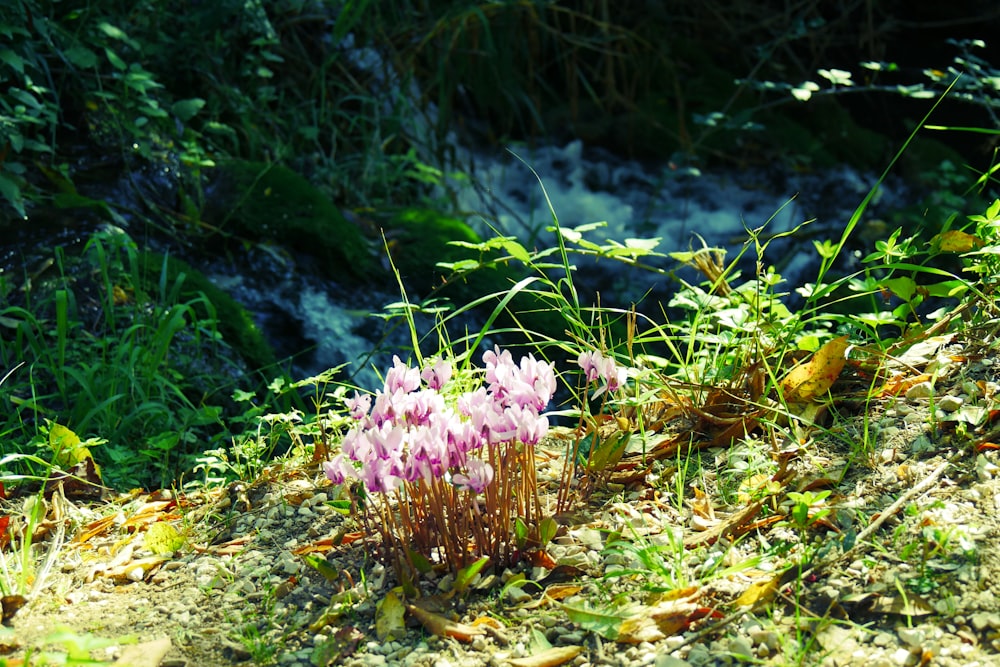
(264, 635)
(807, 507)
(141, 368)
(660, 565)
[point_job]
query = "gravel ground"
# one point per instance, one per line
(904, 570)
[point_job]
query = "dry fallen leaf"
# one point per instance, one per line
(667, 618)
(702, 505)
(443, 627)
(389, 623)
(550, 657)
(146, 654)
(813, 378)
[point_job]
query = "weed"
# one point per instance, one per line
(110, 359)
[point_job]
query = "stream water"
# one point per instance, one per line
(679, 206)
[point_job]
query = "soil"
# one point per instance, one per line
(899, 565)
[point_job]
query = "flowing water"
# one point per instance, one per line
(679, 206)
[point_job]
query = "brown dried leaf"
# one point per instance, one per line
(664, 619)
(550, 657)
(702, 505)
(146, 654)
(561, 591)
(909, 605)
(443, 627)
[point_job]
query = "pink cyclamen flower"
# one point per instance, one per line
(477, 476)
(401, 377)
(437, 375)
(532, 382)
(598, 367)
(338, 470)
(359, 405)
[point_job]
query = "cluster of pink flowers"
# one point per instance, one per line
(410, 432)
(598, 367)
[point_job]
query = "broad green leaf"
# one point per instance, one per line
(81, 56)
(606, 624)
(517, 251)
(12, 59)
(520, 532)
(465, 576)
(547, 530)
(11, 191)
(340, 506)
(420, 562)
(608, 452)
(111, 31)
(67, 450)
(322, 566)
(185, 110)
(903, 287)
(115, 61)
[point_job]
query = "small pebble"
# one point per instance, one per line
(949, 403)
(920, 390)
(912, 637)
(900, 657)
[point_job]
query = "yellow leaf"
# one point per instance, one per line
(162, 538)
(760, 592)
(955, 241)
(389, 624)
(813, 378)
(65, 445)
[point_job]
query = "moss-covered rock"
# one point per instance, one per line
(234, 322)
(420, 238)
(269, 202)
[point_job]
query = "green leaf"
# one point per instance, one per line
(340, 506)
(15, 61)
(465, 576)
(604, 623)
(112, 31)
(800, 513)
(185, 110)
(81, 56)
(904, 288)
(520, 532)
(608, 452)
(162, 538)
(547, 530)
(322, 566)
(517, 251)
(115, 61)
(11, 191)
(420, 562)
